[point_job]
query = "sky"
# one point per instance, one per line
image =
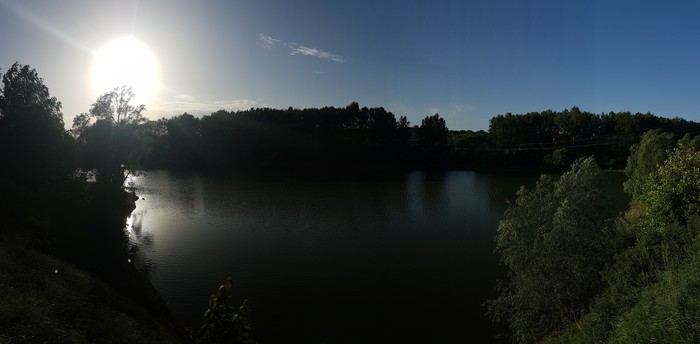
(466, 60)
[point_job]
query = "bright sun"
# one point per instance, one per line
(126, 61)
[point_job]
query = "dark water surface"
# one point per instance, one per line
(403, 260)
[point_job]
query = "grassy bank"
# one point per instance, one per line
(45, 300)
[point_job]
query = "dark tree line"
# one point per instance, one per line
(354, 139)
(274, 139)
(114, 138)
(558, 138)
(573, 126)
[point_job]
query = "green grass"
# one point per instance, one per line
(44, 300)
(662, 309)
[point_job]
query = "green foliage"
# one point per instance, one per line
(653, 296)
(653, 285)
(221, 324)
(672, 193)
(667, 311)
(645, 156)
(558, 158)
(467, 138)
(554, 241)
(690, 141)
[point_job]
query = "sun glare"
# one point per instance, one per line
(126, 61)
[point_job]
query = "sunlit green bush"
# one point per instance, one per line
(554, 241)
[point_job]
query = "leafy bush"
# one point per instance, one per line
(672, 193)
(554, 241)
(653, 286)
(645, 157)
(221, 324)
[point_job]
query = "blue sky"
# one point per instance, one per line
(466, 60)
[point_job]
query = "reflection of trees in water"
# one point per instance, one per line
(138, 240)
(500, 188)
(431, 192)
(140, 237)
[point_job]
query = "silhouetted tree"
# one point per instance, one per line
(263, 139)
(183, 139)
(433, 131)
(80, 124)
(115, 106)
(34, 148)
(24, 89)
(355, 137)
(113, 144)
(34, 145)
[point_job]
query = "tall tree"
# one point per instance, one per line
(31, 127)
(113, 144)
(184, 140)
(433, 131)
(24, 89)
(116, 107)
(34, 149)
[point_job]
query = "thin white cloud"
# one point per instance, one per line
(459, 116)
(433, 110)
(187, 103)
(237, 104)
(268, 41)
(298, 49)
(184, 97)
(453, 111)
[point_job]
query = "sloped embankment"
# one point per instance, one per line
(45, 300)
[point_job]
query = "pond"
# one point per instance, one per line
(404, 259)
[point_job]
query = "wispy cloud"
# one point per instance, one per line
(269, 42)
(298, 49)
(187, 103)
(236, 104)
(453, 111)
(184, 97)
(459, 116)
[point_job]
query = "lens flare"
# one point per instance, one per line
(126, 61)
